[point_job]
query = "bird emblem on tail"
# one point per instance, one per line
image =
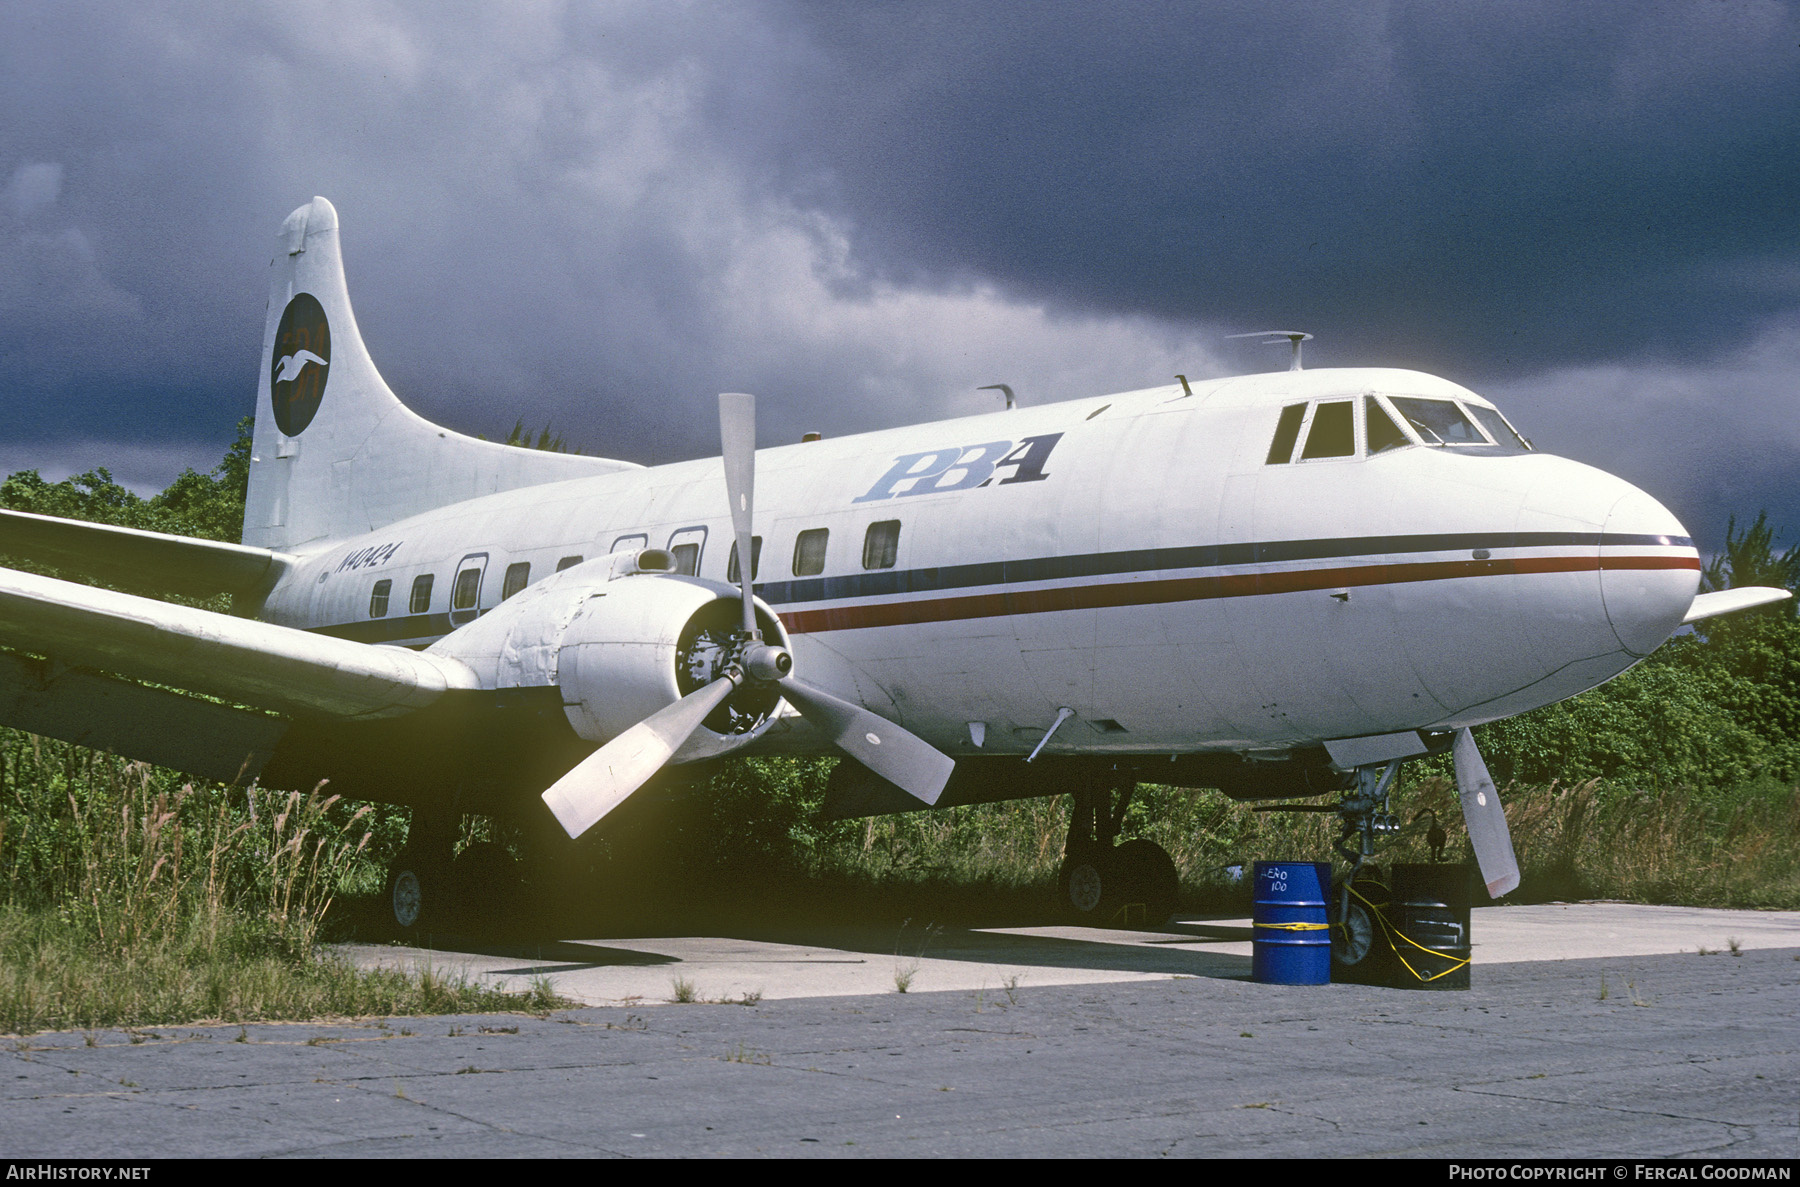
(289, 367)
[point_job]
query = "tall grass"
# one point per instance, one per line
(1590, 840)
(133, 898)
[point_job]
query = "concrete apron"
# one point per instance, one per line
(843, 961)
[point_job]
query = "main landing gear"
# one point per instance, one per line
(429, 888)
(1104, 884)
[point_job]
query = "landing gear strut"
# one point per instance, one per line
(1104, 884)
(1363, 815)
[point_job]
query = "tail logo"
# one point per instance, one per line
(298, 365)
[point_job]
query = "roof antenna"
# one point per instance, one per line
(1270, 337)
(999, 387)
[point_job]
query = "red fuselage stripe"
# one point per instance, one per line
(1195, 589)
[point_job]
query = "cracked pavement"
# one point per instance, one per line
(1682, 1055)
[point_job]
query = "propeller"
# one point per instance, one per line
(1484, 816)
(606, 778)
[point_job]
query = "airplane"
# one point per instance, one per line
(1278, 585)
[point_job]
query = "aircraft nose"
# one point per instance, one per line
(1649, 571)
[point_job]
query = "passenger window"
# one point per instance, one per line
(626, 543)
(881, 546)
(468, 588)
(1384, 434)
(685, 544)
(1333, 432)
(731, 566)
(1287, 431)
(567, 562)
(1439, 422)
(809, 552)
(517, 578)
(378, 598)
(421, 594)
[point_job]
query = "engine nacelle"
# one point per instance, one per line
(639, 644)
(622, 638)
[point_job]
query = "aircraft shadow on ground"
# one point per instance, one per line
(1162, 951)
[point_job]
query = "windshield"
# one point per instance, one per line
(1438, 422)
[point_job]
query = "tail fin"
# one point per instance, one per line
(335, 453)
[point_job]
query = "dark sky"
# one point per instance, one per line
(596, 216)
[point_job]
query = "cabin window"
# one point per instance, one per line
(731, 566)
(378, 597)
(686, 544)
(468, 589)
(1438, 422)
(421, 594)
(809, 552)
(1500, 429)
(1384, 434)
(567, 562)
(1333, 432)
(881, 545)
(517, 578)
(1287, 431)
(627, 543)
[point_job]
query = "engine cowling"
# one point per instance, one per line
(641, 643)
(622, 637)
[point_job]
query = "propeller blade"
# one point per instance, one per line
(737, 436)
(604, 779)
(1484, 816)
(903, 759)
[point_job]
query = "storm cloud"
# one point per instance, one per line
(595, 217)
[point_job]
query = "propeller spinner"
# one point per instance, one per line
(607, 777)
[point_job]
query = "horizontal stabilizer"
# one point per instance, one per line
(1729, 601)
(147, 562)
(252, 663)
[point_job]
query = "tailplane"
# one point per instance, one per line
(335, 453)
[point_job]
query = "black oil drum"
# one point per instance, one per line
(1429, 912)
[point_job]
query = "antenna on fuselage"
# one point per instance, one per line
(1002, 388)
(1270, 337)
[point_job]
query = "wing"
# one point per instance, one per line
(251, 663)
(140, 560)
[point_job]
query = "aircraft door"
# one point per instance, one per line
(465, 592)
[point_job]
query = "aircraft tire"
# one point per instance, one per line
(1089, 887)
(1149, 877)
(487, 881)
(417, 893)
(1358, 949)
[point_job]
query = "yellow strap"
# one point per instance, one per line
(1293, 926)
(1389, 931)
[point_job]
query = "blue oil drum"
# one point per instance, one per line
(1291, 943)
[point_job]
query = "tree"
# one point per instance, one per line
(1750, 559)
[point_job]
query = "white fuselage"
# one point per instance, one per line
(1136, 558)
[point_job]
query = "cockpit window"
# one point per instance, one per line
(1384, 434)
(1333, 432)
(1498, 428)
(1438, 422)
(1287, 431)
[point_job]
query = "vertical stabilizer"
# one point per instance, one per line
(335, 453)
